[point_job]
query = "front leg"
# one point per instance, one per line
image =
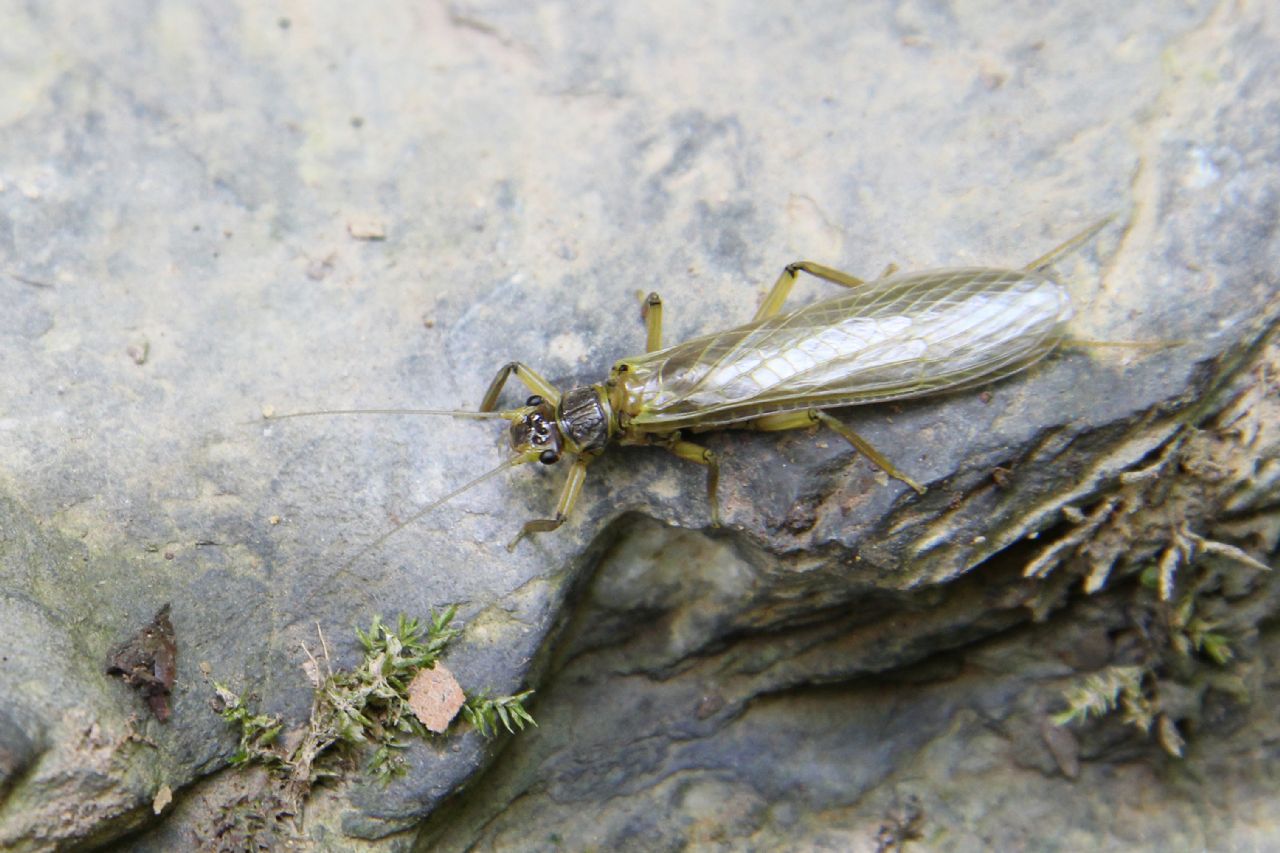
(568, 497)
(532, 380)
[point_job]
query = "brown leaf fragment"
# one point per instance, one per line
(312, 670)
(1169, 736)
(902, 823)
(366, 228)
(435, 697)
(1063, 746)
(138, 351)
(164, 797)
(148, 662)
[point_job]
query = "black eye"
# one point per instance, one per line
(549, 457)
(535, 400)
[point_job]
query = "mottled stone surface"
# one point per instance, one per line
(208, 210)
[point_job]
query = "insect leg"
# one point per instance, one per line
(808, 417)
(564, 506)
(867, 450)
(787, 279)
(653, 322)
(703, 456)
(525, 374)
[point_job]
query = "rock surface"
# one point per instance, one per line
(212, 210)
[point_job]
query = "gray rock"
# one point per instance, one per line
(208, 211)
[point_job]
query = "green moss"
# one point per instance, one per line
(484, 713)
(361, 711)
(1100, 693)
(1185, 632)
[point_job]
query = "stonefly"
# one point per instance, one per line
(893, 338)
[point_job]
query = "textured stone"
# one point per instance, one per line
(208, 210)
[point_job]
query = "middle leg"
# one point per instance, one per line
(787, 278)
(702, 456)
(772, 303)
(653, 322)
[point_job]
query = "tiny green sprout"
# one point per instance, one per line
(1192, 633)
(1216, 646)
(257, 731)
(484, 713)
(1149, 577)
(1102, 692)
(409, 645)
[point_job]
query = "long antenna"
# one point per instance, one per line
(455, 413)
(510, 463)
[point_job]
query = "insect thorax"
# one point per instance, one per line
(584, 419)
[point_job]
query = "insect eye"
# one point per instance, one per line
(549, 457)
(535, 400)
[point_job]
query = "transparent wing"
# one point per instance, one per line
(894, 338)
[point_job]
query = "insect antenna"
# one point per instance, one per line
(453, 413)
(510, 463)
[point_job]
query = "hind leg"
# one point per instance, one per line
(809, 417)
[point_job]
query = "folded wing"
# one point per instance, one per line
(895, 338)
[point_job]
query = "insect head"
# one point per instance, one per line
(534, 431)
